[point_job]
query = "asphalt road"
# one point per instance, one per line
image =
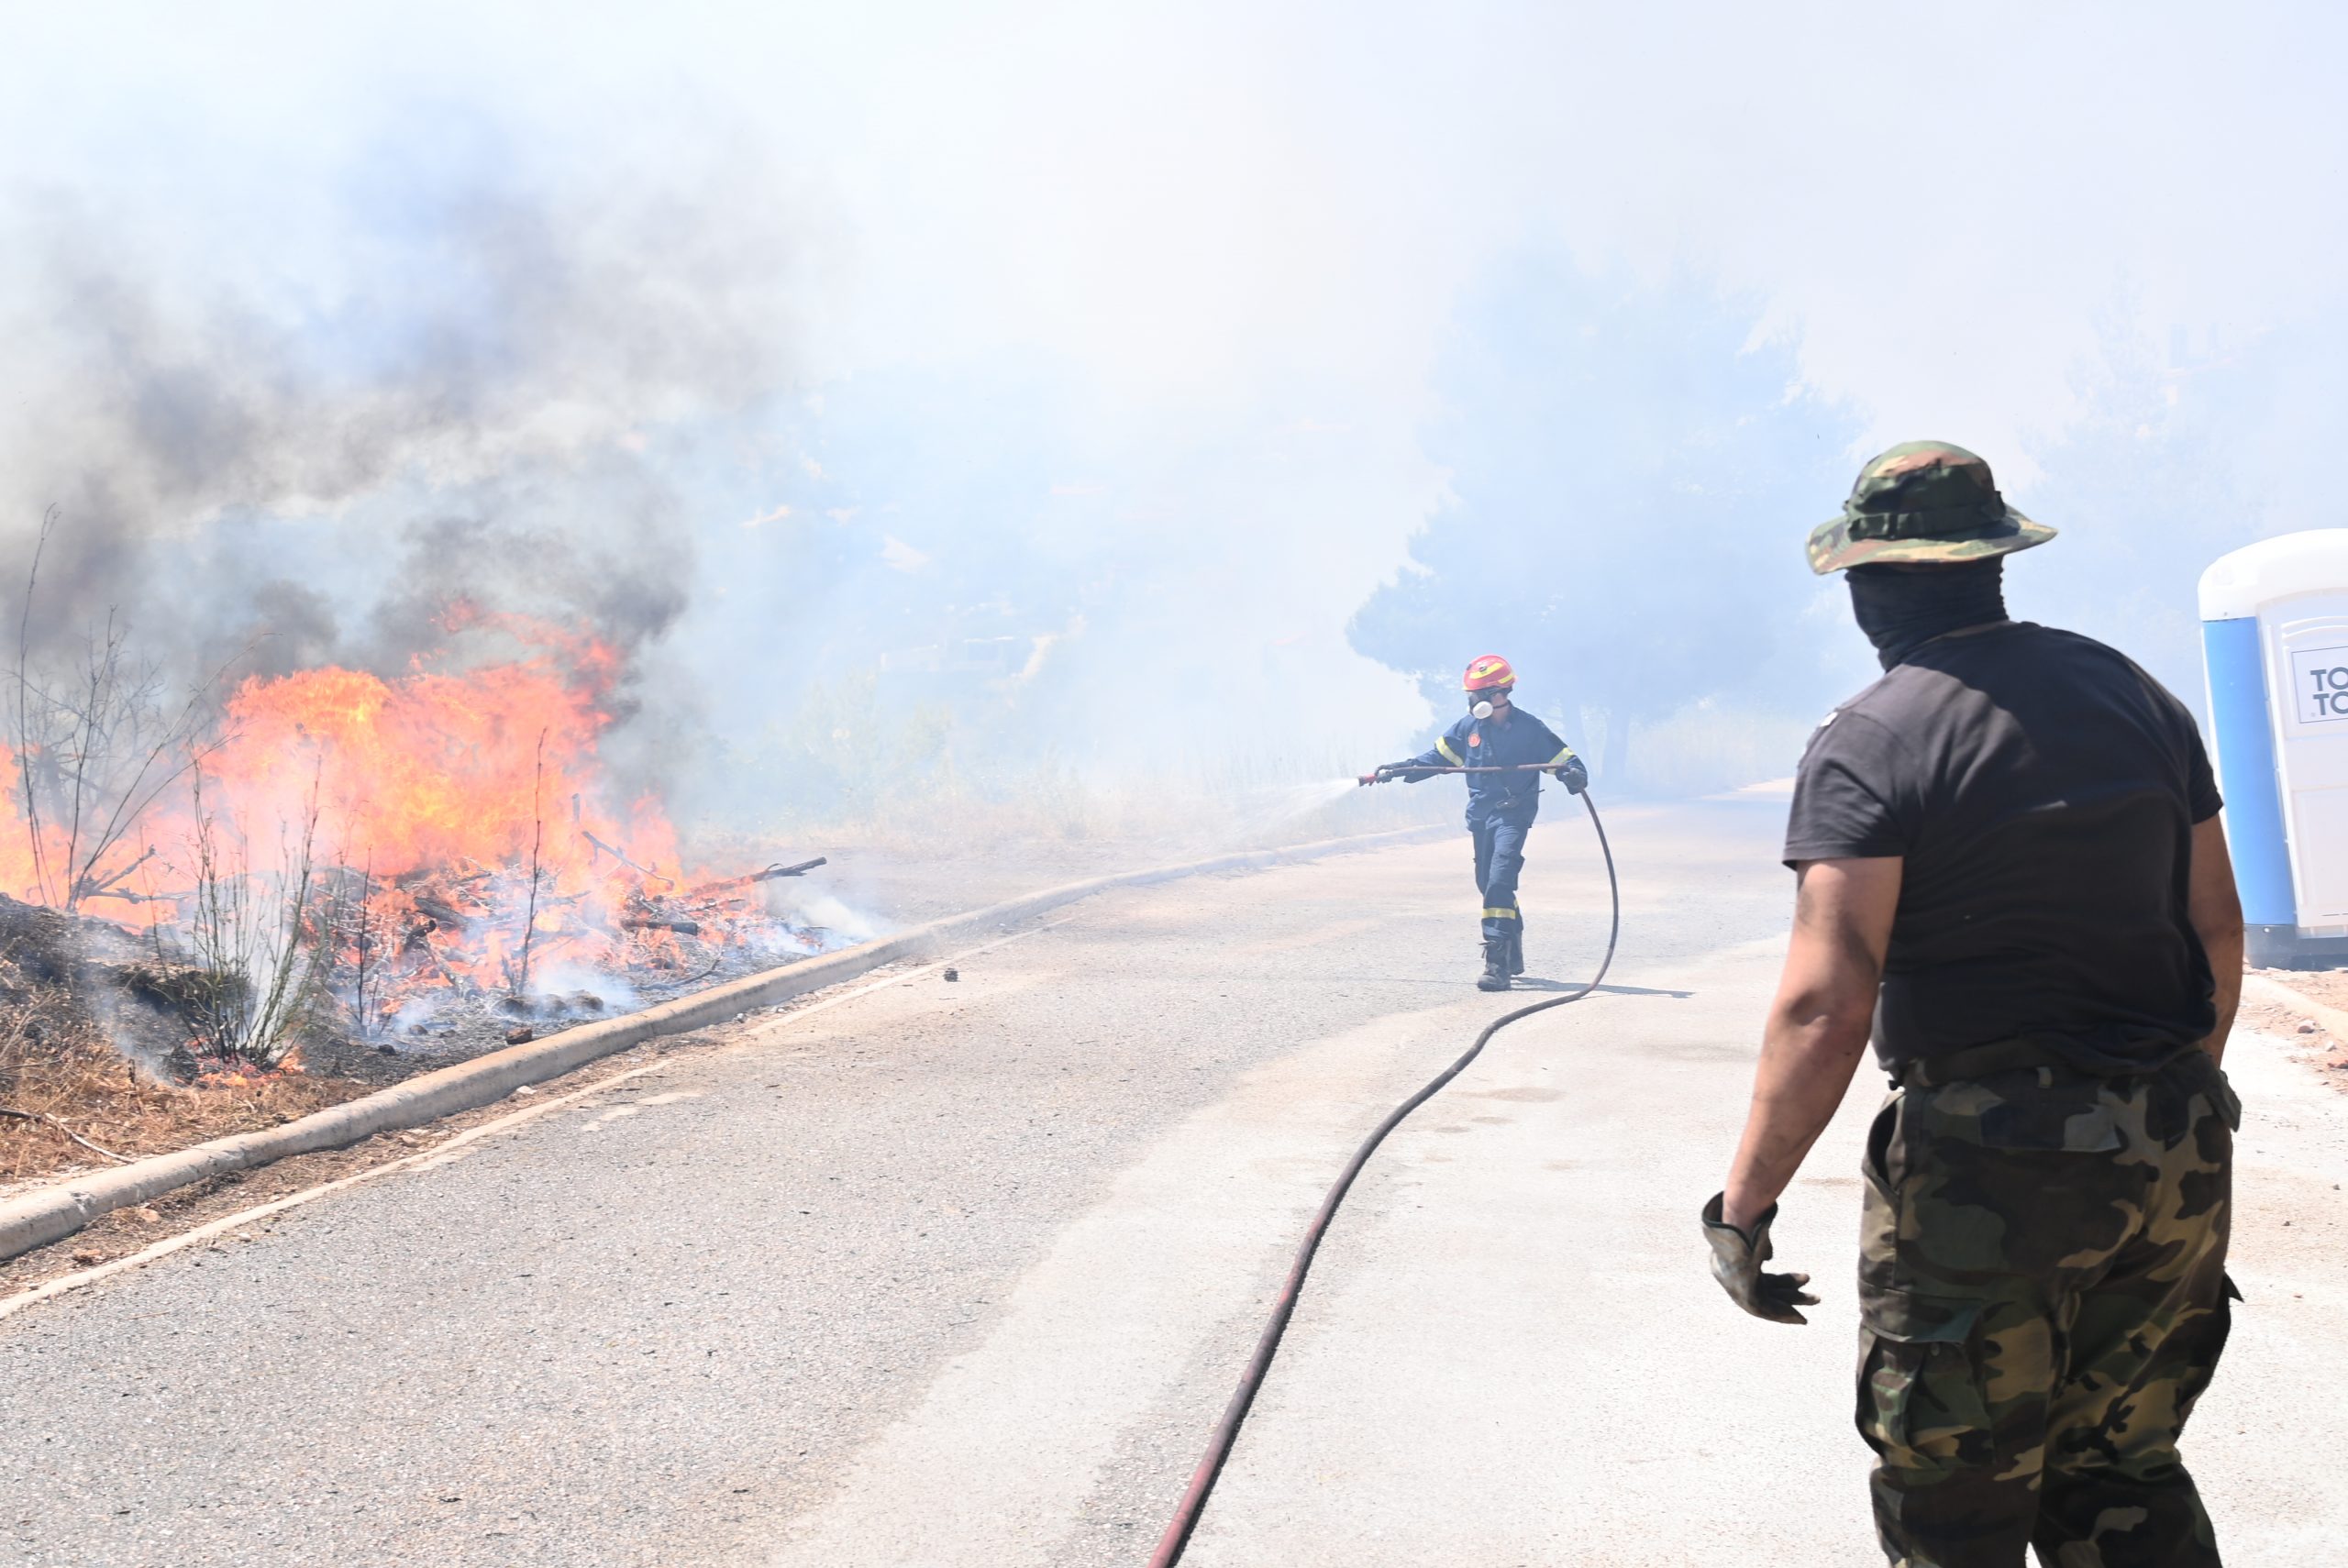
(960, 1273)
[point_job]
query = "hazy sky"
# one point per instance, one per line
(1231, 238)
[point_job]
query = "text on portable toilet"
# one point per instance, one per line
(2275, 636)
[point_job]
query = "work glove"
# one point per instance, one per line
(1574, 776)
(1737, 1264)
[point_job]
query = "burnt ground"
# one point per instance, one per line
(859, 893)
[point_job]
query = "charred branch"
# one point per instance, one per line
(678, 923)
(769, 874)
(640, 870)
(90, 886)
(128, 897)
(445, 915)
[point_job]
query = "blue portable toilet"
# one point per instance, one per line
(2275, 641)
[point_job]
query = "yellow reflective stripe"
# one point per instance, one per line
(1565, 755)
(1501, 914)
(1443, 745)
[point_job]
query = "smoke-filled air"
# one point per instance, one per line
(451, 460)
(1064, 783)
(904, 429)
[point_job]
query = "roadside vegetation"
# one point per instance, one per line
(85, 1017)
(232, 897)
(140, 1012)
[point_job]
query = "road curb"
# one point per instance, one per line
(51, 1213)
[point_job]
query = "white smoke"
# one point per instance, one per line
(1081, 368)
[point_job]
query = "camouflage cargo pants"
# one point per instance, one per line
(2042, 1299)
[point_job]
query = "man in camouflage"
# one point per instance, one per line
(2011, 877)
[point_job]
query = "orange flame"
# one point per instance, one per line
(436, 769)
(431, 795)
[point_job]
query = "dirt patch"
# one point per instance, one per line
(2301, 1027)
(2329, 986)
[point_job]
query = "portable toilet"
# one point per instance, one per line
(2275, 641)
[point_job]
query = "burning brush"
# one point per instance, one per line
(452, 904)
(477, 933)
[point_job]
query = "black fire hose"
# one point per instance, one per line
(1227, 1431)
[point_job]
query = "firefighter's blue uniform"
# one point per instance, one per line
(1501, 806)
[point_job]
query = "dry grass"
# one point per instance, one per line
(56, 1065)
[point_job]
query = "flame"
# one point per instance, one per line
(17, 872)
(460, 829)
(436, 770)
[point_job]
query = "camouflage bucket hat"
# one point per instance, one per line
(1923, 502)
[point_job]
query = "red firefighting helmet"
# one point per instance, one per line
(1490, 673)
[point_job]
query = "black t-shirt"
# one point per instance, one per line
(2043, 790)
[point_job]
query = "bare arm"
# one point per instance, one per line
(1817, 1027)
(2215, 909)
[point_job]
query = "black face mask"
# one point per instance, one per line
(1901, 610)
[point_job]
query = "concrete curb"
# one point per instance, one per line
(51, 1213)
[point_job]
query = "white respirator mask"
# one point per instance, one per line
(1482, 709)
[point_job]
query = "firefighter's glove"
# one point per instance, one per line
(1737, 1264)
(1574, 776)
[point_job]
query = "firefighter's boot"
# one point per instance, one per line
(1515, 952)
(1495, 975)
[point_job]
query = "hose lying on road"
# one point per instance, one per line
(1226, 1431)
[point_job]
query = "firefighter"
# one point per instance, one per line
(2012, 875)
(1501, 806)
